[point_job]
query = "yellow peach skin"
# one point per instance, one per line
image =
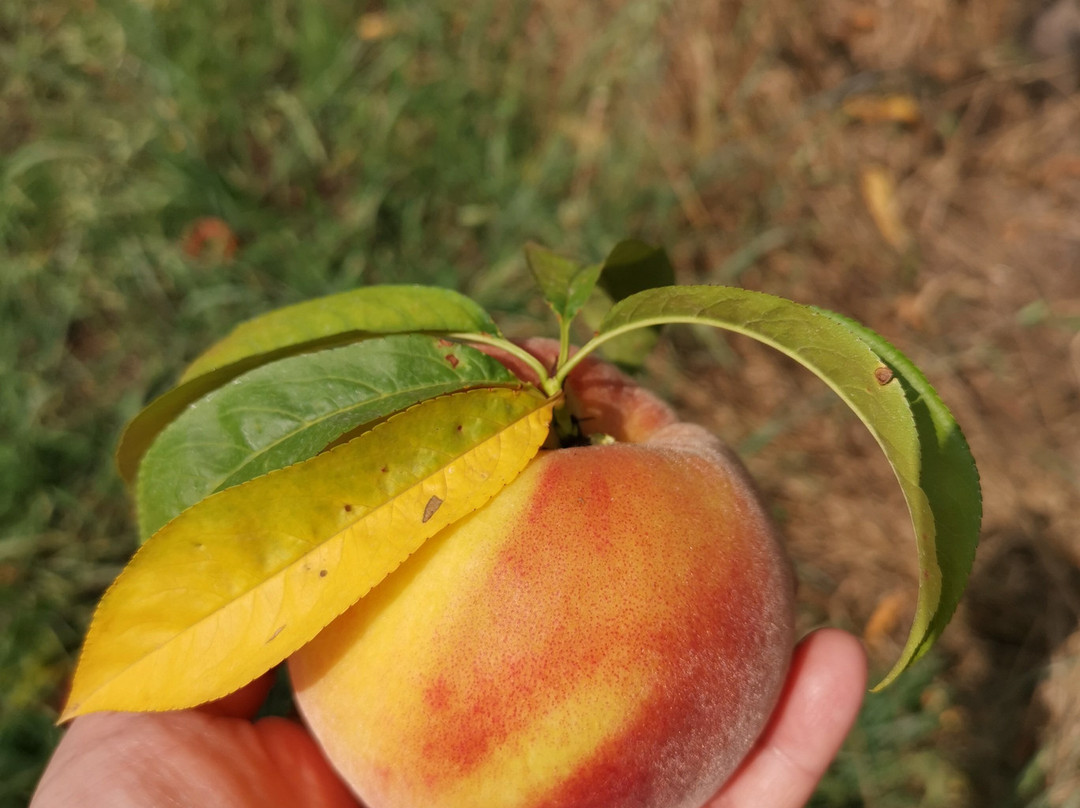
(611, 630)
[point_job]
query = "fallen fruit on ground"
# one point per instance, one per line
(503, 574)
(611, 630)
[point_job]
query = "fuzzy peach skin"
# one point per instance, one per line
(611, 630)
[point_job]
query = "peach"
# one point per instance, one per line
(611, 630)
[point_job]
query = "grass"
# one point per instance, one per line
(908, 718)
(426, 156)
(347, 144)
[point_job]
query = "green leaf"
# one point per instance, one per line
(628, 350)
(633, 266)
(344, 318)
(565, 284)
(918, 435)
(247, 576)
(950, 480)
(309, 326)
(290, 410)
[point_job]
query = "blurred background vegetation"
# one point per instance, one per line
(168, 168)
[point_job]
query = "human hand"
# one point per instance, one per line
(214, 756)
(218, 757)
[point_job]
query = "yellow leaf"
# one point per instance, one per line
(236, 583)
(887, 617)
(879, 194)
(375, 25)
(883, 109)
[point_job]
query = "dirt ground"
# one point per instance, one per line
(917, 166)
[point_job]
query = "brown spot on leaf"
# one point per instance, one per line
(348, 508)
(429, 509)
(445, 343)
(883, 375)
(453, 360)
(459, 427)
(385, 469)
(322, 573)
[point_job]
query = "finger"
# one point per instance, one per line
(242, 703)
(188, 758)
(816, 710)
(311, 780)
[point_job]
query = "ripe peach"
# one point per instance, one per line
(611, 630)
